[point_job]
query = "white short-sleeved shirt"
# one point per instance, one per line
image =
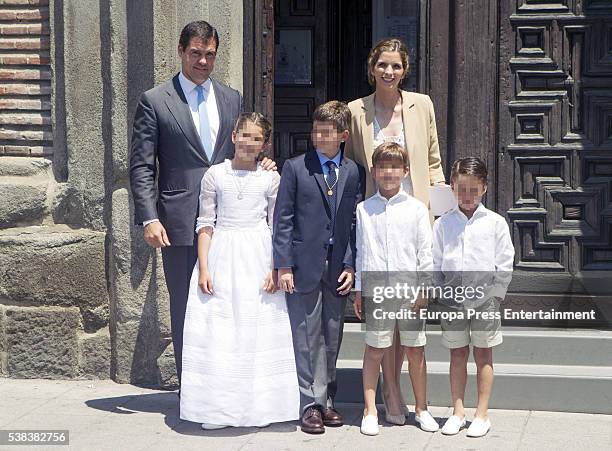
(392, 235)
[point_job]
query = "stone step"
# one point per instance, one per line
(521, 345)
(568, 388)
(555, 370)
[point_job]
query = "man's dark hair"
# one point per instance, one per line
(198, 29)
(470, 166)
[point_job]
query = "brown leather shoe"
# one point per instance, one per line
(332, 418)
(311, 421)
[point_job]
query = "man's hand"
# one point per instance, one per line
(155, 235)
(346, 280)
(268, 164)
(285, 277)
(357, 304)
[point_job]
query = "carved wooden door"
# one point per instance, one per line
(300, 72)
(555, 147)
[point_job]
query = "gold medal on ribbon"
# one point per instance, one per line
(330, 193)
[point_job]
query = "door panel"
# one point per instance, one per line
(555, 152)
(300, 72)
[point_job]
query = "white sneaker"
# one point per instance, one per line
(453, 425)
(212, 427)
(427, 422)
(369, 425)
(479, 427)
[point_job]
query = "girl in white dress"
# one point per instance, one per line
(238, 361)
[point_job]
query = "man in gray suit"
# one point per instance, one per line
(181, 128)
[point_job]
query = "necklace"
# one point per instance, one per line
(330, 189)
(239, 187)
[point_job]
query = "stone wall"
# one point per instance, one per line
(81, 295)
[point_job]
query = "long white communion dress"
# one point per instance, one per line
(238, 361)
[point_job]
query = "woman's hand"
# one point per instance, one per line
(270, 282)
(357, 305)
(205, 281)
(419, 304)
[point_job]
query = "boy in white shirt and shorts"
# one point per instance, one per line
(393, 241)
(468, 240)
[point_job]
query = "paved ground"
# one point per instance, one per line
(102, 415)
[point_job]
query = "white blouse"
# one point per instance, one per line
(379, 138)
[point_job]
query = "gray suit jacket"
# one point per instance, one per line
(166, 146)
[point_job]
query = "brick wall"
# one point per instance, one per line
(25, 78)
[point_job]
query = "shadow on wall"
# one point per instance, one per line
(140, 325)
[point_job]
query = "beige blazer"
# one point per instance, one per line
(420, 135)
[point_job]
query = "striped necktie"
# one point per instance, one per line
(332, 187)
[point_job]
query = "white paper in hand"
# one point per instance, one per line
(441, 199)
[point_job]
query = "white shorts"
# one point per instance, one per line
(380, 333)
(479, 332)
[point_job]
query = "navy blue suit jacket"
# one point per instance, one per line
(302, 220)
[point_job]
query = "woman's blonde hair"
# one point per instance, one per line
(257, 119)
(387, 45)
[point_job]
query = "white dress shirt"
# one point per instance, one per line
(392, 235)
(481, 243)
(323, 159)
(209, 107)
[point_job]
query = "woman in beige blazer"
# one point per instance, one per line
(391, 114)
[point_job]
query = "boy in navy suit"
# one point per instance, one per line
(314, 252)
